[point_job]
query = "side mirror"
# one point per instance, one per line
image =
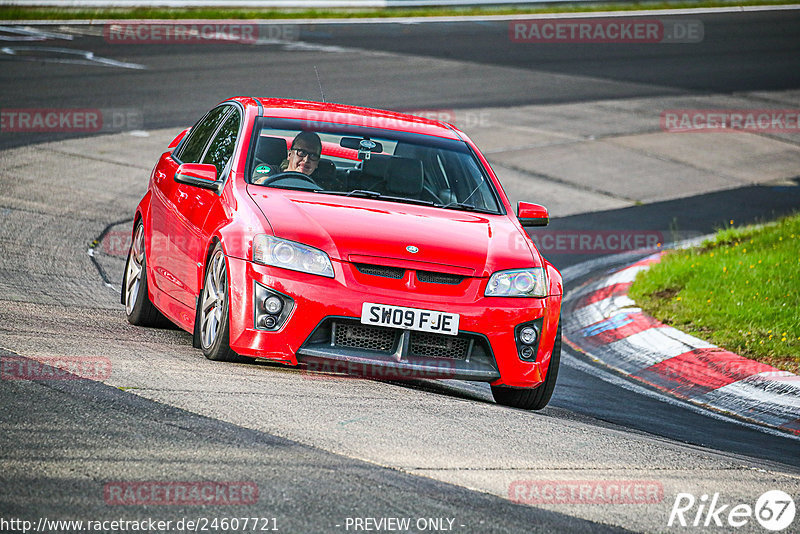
(198, 174)
(532, 214)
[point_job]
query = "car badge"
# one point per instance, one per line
(412, 249)
(367, 144)
(263, 169)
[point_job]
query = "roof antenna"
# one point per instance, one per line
(320, 85)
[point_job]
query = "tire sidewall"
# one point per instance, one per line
(135, 316)
(219, 347)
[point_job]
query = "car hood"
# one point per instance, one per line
(396, 234)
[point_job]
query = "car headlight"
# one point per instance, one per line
(271, 250)
(518, 283)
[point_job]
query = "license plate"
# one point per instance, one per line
(410, 318)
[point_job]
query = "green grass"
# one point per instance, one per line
(43, 13)
(740, 291)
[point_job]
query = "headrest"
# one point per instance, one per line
(325, 170)
(376, 165)
(404, 176)
(271, 150)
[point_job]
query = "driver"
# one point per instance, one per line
(303, 157)
(304, 153)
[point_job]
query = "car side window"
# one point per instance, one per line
(221, 148)
(193, 148)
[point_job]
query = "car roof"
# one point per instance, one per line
(351, 115)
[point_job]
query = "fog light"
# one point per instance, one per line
(273, 304)
(526, 352)
(528, 335)
(271, 309)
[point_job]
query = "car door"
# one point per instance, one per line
(208, 203)
(179, 210)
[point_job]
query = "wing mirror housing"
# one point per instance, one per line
(199, 175)
(532, 214)
(178, 139)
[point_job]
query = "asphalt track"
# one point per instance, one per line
(376, 65)
(384, 65)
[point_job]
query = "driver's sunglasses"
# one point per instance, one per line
(303, 153)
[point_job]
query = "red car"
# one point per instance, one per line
(398, 256)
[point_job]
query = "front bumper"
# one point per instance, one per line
(486, 348)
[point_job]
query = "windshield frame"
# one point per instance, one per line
(413, 138)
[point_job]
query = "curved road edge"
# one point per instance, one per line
(602, 322)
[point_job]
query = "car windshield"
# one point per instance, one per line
(373, 163)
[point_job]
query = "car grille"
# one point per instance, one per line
(359, 336)
(431, 277)
(428, 277)
(382, 339)
(438, 346)
(381, 270)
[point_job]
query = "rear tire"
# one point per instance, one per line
(533, 398)
(214, 323)
(138, 307)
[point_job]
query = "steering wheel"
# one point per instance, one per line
(289, 174)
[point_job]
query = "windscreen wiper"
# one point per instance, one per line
(363, 193)
(465, 207)
(294, 187)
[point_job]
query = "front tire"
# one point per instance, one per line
(214, 322)
(138, 307)
(533, 398)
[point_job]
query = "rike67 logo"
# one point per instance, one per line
(774, 510)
